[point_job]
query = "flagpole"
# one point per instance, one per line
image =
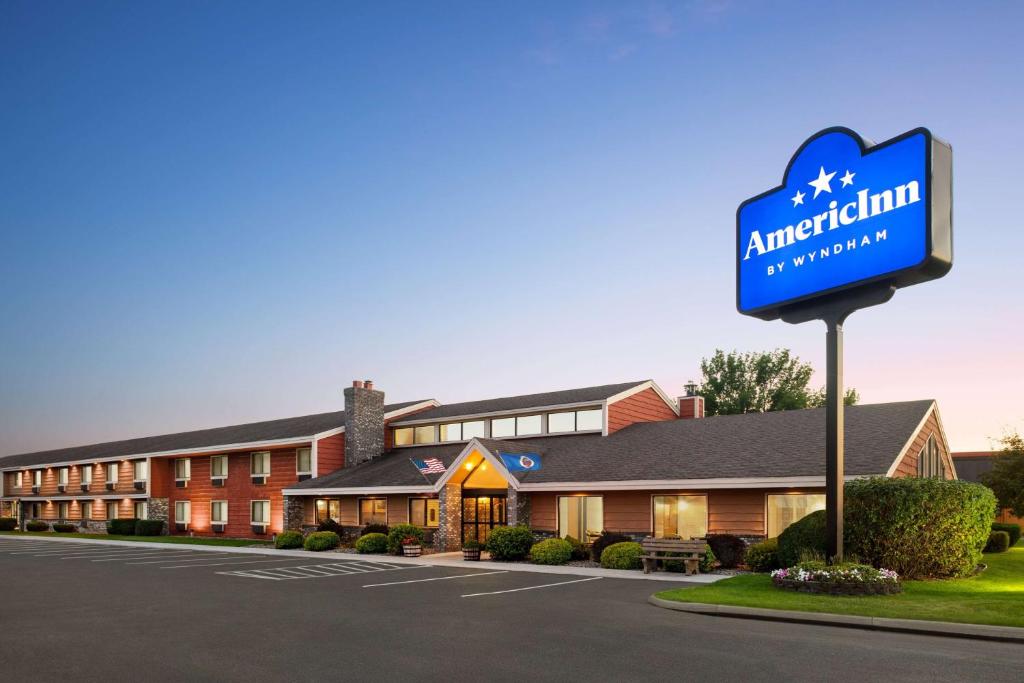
(425, 477)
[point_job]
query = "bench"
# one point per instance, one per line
(661, 549)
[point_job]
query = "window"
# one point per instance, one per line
(259, 464)
(182, 512)
(140, 510)
(575, 421)
(786, 508)
(62, 476)
(424, 512)
(111, 510)
(219, 512)
(373, 511)
(19, 479)
(36, 510)
(304, 461)
(86, 509)
(425, 434)
(929, 461)
(261, 512)
(327, 508)
(37, 478)
(63, 510)
(682, 516)
(112, 473)
(86, 474)
(139, 470)
(452, 432)
(182, 469)
(528, 424)
(502, 427)
(473, 430)
(219, 466)
(581, 517)
(589, 420)
(403, 436)
(559, 423)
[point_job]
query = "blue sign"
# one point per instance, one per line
(847, 214)
(521, 462)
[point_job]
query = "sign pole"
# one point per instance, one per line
(834, 433)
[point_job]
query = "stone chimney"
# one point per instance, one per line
(364, 423)
(691, 405)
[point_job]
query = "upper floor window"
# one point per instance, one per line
(929, 462)
(111, 472)
(575, 421)
(219, 466)
(463, 431)
(182, 469)
(37, 478)
(18, 479)
(139, 470)
(86, 471)
(408, 436)
(259, 464)
(62, 476)
(524, 425)
(304, 461)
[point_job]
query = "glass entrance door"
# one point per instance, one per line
(480, 514)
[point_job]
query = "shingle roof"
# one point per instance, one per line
(525, 402)
(755, 445)
(270, 430)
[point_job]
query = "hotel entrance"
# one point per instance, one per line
(481, 512)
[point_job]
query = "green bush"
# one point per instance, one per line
(579, 551)
(763, 556)
(149, 527)
(374, 529)
(286, 540)
(8, 524)
(998, 542)
(321, 540)
(707, 563)
(372, 544)
(37, 525)
(803, 536)
(330, 525)
(122, 527)
(1013, 530)
(729, 549)
(67, 528)
(551, 551)
(623, 555)
(399, 533)
(507, 543)
(606, 539)
(917, 527)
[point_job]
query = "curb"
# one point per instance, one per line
(1006, 634)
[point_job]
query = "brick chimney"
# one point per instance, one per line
(691, 405)
(364, 422)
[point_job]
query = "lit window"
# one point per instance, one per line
(328, 508)
(929, 461)
(182, 512)
(62, 476)
(111, 510)
(559, 423)
(589, 420)
(304, 461)
(581, 517)
(528, 425)
(260, 464)
(425, 512)
(182, 469)
(425, 434)
(219, 466)
(219, 512)
(86, 474)
(373, 511)
(786, 508)
(473, 430)
(680, 516)
(19, 479)
(37, 478)
(63, 510)
(111, 472)
(140, 510)
(139, 470)
(261, 512)
(452, 432)
(502, 427)
(86, 509)
(403, 436)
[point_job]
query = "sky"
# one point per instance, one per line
(213, 213)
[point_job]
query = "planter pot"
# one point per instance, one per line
(412, 550)
(471, 554)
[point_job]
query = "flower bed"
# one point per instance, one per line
(843, 579)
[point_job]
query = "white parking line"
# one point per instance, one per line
(116, 556)
(158, 553)
(216, 564)
(197, 559)
(530, 588)
(314, 571)
(436, 578)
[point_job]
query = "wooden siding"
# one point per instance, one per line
(330, 454)
(645, 406)
(907, 466)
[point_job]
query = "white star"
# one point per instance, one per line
(798, 198)
(848, 178)
(822, 183)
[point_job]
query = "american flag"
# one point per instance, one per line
(429, 466)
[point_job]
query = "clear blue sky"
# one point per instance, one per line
(223, 212)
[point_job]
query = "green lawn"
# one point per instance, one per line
(231, 542)
(996, 596)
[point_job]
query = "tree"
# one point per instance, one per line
(758, 382)
(816, 399)
(1006, 478)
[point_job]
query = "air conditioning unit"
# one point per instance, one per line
(61, 488)
(111, 486)
(259, 480)
(181, 526)
(259, 528)
(85, 487)
(140, 486)
(304, 477)
(181, 483)
(217, 481)
(218, 528)
(35, 489)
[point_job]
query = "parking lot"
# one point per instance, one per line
(170, 613)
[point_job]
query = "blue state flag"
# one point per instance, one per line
(521, 462)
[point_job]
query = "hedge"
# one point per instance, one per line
(624, 555)
(37, 525)
(372, 543)
(606, 539)
(67, 528)
(510, 543)
(803, 539)
(579, 551)
(321, 540)
(122, 527)
(729, 549)
(998, 542)
(400, 532)
(330, 525)
(551, 551)
(8, 523)
(1013, 530)
(286, 540)
(149, 527)
(763, 556)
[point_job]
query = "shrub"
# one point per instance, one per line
(622, 555)
(707, 563)
(729, 549)
(37, 525)
(1012, 529)
(579, 551)
(508, 543)
(149, 527)
(803, 536)
(551, 551)
(606, 539)
(67, 528)
(764, 556)
(8, 524)
(330, 525)
(122, 527)
(918, 527)
(372, 543)
(399, 533)
(286, 540)
(374, 529)
(472, 544)
(998, 541)
(321, 540)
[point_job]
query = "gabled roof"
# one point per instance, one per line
(525, 402)
(297, 428)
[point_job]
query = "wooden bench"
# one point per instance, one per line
(662, 549)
